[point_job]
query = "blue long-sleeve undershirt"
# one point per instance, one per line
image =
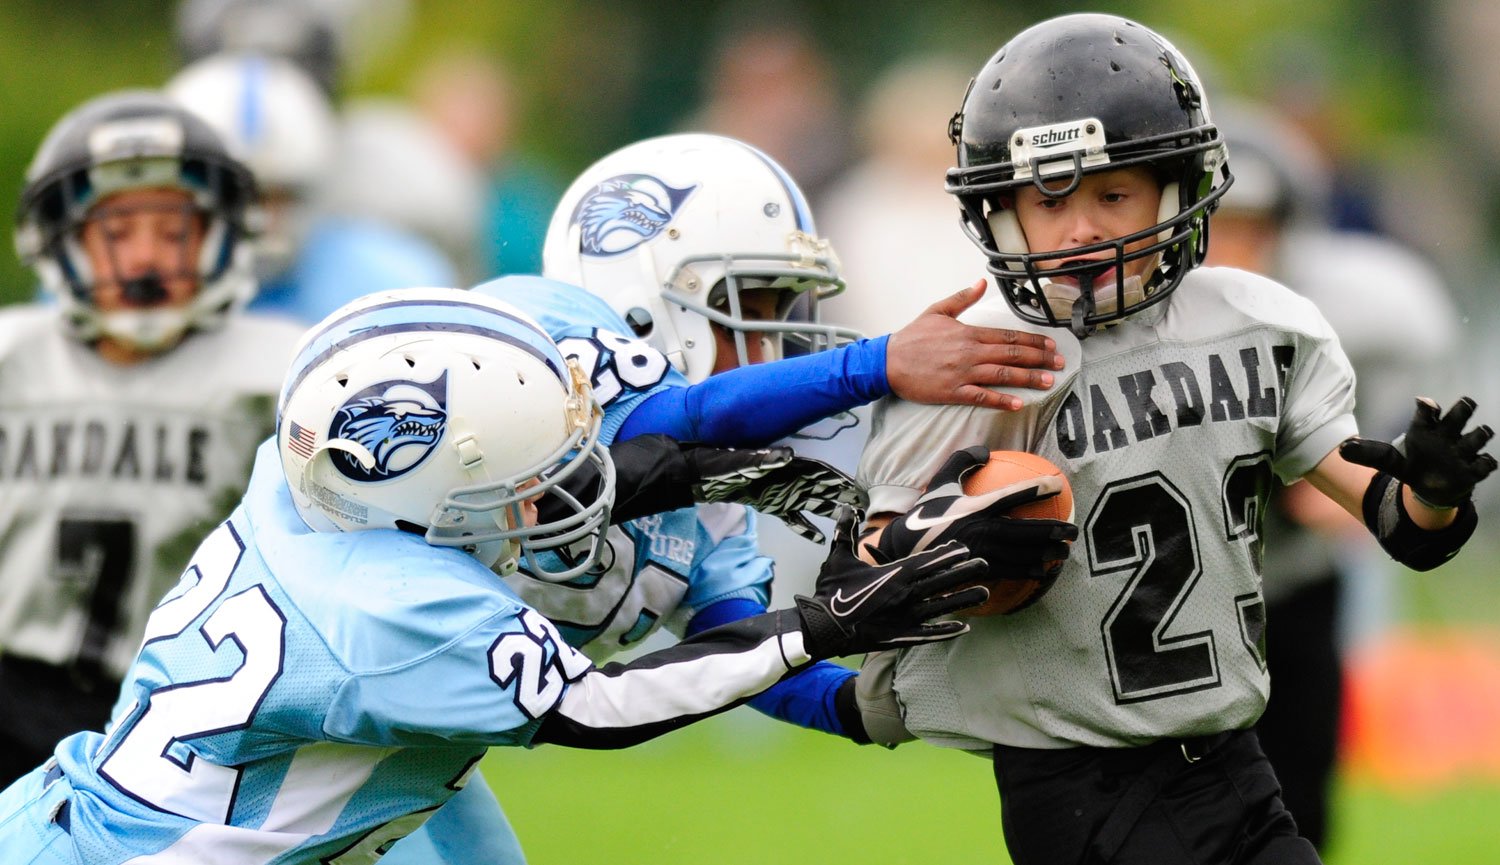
(758, 404)
(806, 699)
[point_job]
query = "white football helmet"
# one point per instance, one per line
(440, 412)
(273, 117)
(135, 139)
(671, 229)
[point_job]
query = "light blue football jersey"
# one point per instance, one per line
(343, 258)
(409, 661)
(659, 570)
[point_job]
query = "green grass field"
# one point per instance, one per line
(742, 789)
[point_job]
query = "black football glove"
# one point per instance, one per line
(774, 481)
(656, 473)
(858, 607)
(1436, 459)
(1014, 547)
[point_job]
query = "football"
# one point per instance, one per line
(1005, 468)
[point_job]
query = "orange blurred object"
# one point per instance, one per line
(1423, 709)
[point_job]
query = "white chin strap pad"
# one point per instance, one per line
(1007, 232)
(1169, 208)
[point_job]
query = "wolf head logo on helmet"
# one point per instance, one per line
(446, 412)
(1074, 96)
(399, 423)
(624, 212)
(672, 232)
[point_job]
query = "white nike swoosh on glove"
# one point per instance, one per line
(854, 601)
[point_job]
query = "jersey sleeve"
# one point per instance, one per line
(619, 705)
(808, 699)
(715, 546)
(1318, 411)
(489, 685)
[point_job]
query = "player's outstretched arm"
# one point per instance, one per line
(1418, 503)
(855, 608)
(934, 359)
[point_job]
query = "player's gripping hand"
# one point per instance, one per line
(774, 481)
(1014, 547)
(858, 607)
(1436, 459)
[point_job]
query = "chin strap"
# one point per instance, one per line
(1083, 307)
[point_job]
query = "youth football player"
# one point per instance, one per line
(133, 399)
(340, 652)
(1118, 707)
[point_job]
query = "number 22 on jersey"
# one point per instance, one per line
(149, 763)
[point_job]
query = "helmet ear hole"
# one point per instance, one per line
(640, 321)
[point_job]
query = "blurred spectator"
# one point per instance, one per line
(134, 400)
(1377, 296)
(395, 166)
(301, 31)
(770, 86)
(323, 37)
(274, 118)
(888, 216)
(471, 101)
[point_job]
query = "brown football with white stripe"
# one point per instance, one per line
(1003, 469)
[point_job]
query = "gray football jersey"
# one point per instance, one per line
(1169, 427)
(111, 475)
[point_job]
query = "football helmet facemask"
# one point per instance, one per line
(441, 412)
(1077, 95)
(135, 140)
(670, 231)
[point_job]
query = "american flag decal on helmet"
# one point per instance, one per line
(301, 441)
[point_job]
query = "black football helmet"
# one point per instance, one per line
(1072, 96)
(124, 140)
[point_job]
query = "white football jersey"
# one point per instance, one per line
(1169, 427)
(111, 475)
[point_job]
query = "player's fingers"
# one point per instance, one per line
(1375, 454)
(803, 528)
(933, 633)
(959, 301)
(1476, 438)
(1028, 372)
(971, 394)
(960, 463)
(1427, 413)
(1004, 345)
(934, 583)
(950, 603)
(1457, 417)
(1483, 466)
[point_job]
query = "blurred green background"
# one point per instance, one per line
(595, 75)
(1392, 77)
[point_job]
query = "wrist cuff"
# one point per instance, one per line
(1405, 541)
